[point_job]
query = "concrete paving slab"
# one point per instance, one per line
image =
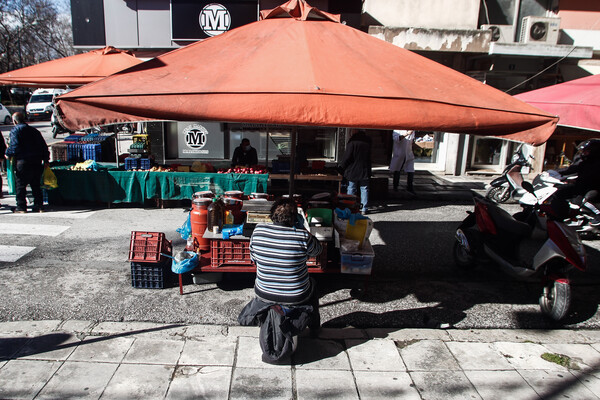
(51, 346)
(444, 385)
(77, 326)
(80, 380)
(11, 254)
(589, 380)
(261, 383)
(320, 354)
(501, 385)
(527, 356)
(209, 351)
(249, 355)
(478, 356)
(585, 356)
(102, 349)
(374, 385)
(32, 229)
(343, 333)
(374, 355)
(132, 328)
(590, 336)
(150, 351)
(247, 331)
(319, 384)
(23, 379)
(555, 384)
(138, 381)
(29, 328)
(201, 331)
(517, 335)
(11, 345)
(428, 355)
(406, 335)
(191, 383)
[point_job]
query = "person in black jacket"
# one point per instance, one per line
(30, 153)
(356, 165)
(244, 155)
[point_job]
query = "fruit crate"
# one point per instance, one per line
(74, 152)
(76, 137)
(151, 275)
(132, 163)
(92, 152)
(146, 247)
(230, 252)
(226, 253)
(145, 163)
(59, 151)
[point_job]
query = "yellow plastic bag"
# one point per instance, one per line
(49, 179)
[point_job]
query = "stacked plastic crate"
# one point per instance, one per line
(150, 268)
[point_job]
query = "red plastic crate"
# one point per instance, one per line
(230, 252)
(148, 246)
(237, 253)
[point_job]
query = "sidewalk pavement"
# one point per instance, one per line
(133, 360)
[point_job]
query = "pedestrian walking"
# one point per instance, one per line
(28, 150)
(357, 166)
(403, 158)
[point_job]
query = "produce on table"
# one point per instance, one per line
(255, 169)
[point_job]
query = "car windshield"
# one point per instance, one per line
(41, 98)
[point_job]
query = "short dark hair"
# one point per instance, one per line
(18, 117)
(284, 211)
(245, 140)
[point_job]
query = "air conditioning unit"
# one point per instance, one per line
(540, 30)
(501, 33)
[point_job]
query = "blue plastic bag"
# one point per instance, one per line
(186, 229)
(349, 215)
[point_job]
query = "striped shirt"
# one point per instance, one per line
(280, 255)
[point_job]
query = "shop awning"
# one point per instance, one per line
(301, 66)
(576, 102)
(76, 70)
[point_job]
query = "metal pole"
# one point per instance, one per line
(293, 161)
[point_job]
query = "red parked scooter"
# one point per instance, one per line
(530, 242)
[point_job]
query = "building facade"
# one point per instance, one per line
(513, 45)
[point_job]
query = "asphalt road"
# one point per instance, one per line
(78, 269)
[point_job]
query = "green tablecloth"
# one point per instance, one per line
(112, 185)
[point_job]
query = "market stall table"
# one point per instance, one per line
(112, 185)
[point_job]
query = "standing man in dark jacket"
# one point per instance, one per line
(357, 166)
(30, 153)
(2, 150)
(244, 155)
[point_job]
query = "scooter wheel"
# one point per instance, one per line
(462, 258)
(556, 299)
(498, 194)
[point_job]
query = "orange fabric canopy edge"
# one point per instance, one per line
(299, 66)
(76, 70)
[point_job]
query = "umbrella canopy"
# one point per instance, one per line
(576, 102)
(300, 66)
(76, 70)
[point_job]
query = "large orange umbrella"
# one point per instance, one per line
(76, 70)
(301, 66)
(576, 102)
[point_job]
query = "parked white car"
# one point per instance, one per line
(40, 103)
(5, 117)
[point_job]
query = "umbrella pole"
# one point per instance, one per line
(293, 161)
(117, 146)
(267, 152)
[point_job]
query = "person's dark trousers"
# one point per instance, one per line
(28, 173)
(410, 178)
(396, 180)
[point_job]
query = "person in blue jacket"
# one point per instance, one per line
(29, 153)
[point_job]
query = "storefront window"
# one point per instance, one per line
(488, 152)
(426, 146)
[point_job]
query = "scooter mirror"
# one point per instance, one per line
(528, 186)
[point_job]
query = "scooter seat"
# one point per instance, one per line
(506, 222)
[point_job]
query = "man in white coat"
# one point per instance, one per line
(403, 158)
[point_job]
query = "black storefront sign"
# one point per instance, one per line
(194, 20)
